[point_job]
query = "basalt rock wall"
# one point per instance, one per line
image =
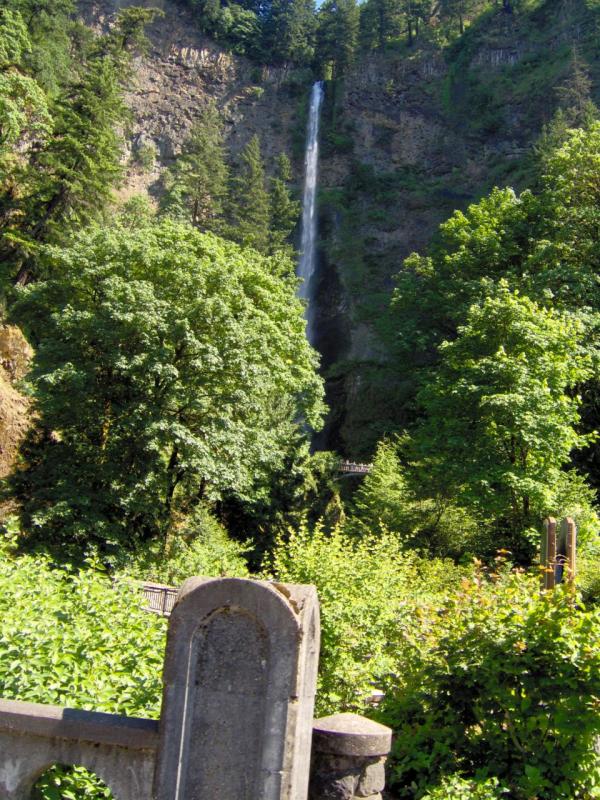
(408, 136)
(182, 71)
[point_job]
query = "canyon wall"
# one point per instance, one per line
(408, 136)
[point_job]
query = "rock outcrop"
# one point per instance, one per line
(15, 355)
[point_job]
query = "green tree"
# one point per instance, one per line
(197, 183)
(284, 209)
(24, 116)
(545, 245)
(387, 500)
(337, 35)
(68, 179)
(236, 24)
(72, 177)
(383, 499)
(575, 93)
(54, 36)
(128, 34)
(250, 207)
(501, 421)
(289, 32)
(380, 21)
(457, 12)
(173, 366)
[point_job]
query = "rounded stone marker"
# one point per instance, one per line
(351, 735)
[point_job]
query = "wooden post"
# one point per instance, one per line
(570, 549)
(558, 554)
(548, 553)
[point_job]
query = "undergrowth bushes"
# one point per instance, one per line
(376, 607)
(509, 690)
(75, 638)
(491, 687)
(199, 545)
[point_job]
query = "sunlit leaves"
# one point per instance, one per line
(174, 366)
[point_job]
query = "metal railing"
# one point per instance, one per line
(353, 468)
(160, 598)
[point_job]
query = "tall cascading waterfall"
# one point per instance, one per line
(307, 262)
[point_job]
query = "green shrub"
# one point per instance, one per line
(453, 787)
(510, 690)
(70, 783)
(89, 643)
(375, 604)
(75, 639)
(200, 546)
(146, 155)
(588, 575)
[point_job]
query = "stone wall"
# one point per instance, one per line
(237, 715)
(119, 750)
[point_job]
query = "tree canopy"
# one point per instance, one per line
(171, 367)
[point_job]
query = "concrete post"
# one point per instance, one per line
(349, 754)
(239, 685)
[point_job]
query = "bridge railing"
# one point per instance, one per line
(354, 468)
(159, 598)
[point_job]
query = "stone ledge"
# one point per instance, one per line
(53, 722)
(351, 735)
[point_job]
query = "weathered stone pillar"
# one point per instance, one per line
(239, 686)
(348, 761)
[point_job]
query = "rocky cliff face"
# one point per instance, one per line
(407, 137)
(181, 72)
(15, 355)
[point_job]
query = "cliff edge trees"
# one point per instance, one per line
(60, 147)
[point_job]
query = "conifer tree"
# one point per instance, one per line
(73, 176)
(250, 208)
(575, 93)
(70, 177)
(337, 35)
(197, 184)
(289, 31)
(380, 20)
(24, 114)
(284, 209)
(50, 27)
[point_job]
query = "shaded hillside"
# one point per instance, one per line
(408, 137)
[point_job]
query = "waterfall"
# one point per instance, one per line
(307, 262)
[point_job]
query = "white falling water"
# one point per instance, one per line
(307, 262)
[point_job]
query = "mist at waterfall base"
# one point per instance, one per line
(308, 244)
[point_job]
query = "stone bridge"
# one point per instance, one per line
(236, 721)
